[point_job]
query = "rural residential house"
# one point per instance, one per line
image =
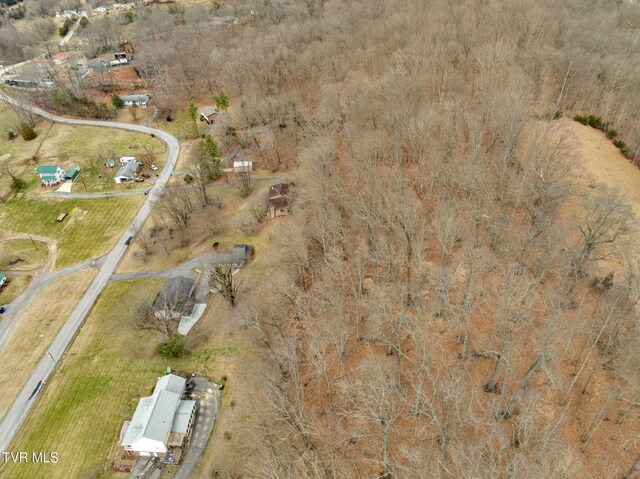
(161, 421)
(240, 166)
(208, 114)
(50, 175)
(176, 297)
(126, 172)
(278, 200)
(138, 99)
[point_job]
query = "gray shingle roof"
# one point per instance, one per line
(176, 294)
(128, 169)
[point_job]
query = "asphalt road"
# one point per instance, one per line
(22, 404)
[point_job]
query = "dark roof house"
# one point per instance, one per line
(208, 114)
(278, 200)
(176, 298)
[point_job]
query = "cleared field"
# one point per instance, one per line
(91, 229)
(82, 410)
(22, 254)
(83, 141)
(35, 331)
(16, 287)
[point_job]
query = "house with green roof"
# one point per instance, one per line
(3, 279)
(50, 175)
(72, 173)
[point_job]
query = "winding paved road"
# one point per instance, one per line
(22, 404)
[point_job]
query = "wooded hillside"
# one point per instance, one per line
(454, 298)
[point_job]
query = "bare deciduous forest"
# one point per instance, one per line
(442, 314)
(443, 307)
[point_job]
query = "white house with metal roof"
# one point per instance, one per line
(161, 421)
(50, 174)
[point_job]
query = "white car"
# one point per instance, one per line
(153, 167)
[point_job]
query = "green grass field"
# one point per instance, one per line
(108, 368)
(22, 254)
(90, 230)
(67, 145)
(82, 141)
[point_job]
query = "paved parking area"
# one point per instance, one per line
(209, 400)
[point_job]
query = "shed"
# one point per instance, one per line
(242, 253)
(208, 114)
(72, 173)
(3, 280)
(110, 164)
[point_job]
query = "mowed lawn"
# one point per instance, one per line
(70, 140)
(109, 367)
(22, 254)
(90, 230)
(35, 330)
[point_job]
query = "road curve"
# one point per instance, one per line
(22, 404)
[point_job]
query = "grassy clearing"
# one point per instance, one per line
(22, 254)
(180, 125)
(66, 146)
(14, 289)
(89, 141)
(91, 229)
(82, 410)
(36, 329)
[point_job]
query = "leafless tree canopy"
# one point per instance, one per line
(438, 309)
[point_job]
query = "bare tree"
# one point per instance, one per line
(223, 281)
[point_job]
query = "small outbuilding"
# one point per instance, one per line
(3, 280)
(242, 254)
(72, 173)
(208, 114)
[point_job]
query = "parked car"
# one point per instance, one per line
(129, 240)
(146, 175)
(2, 310)
(138, 179)
(153, 167)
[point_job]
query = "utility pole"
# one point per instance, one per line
(54, 361)
(33, 243)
